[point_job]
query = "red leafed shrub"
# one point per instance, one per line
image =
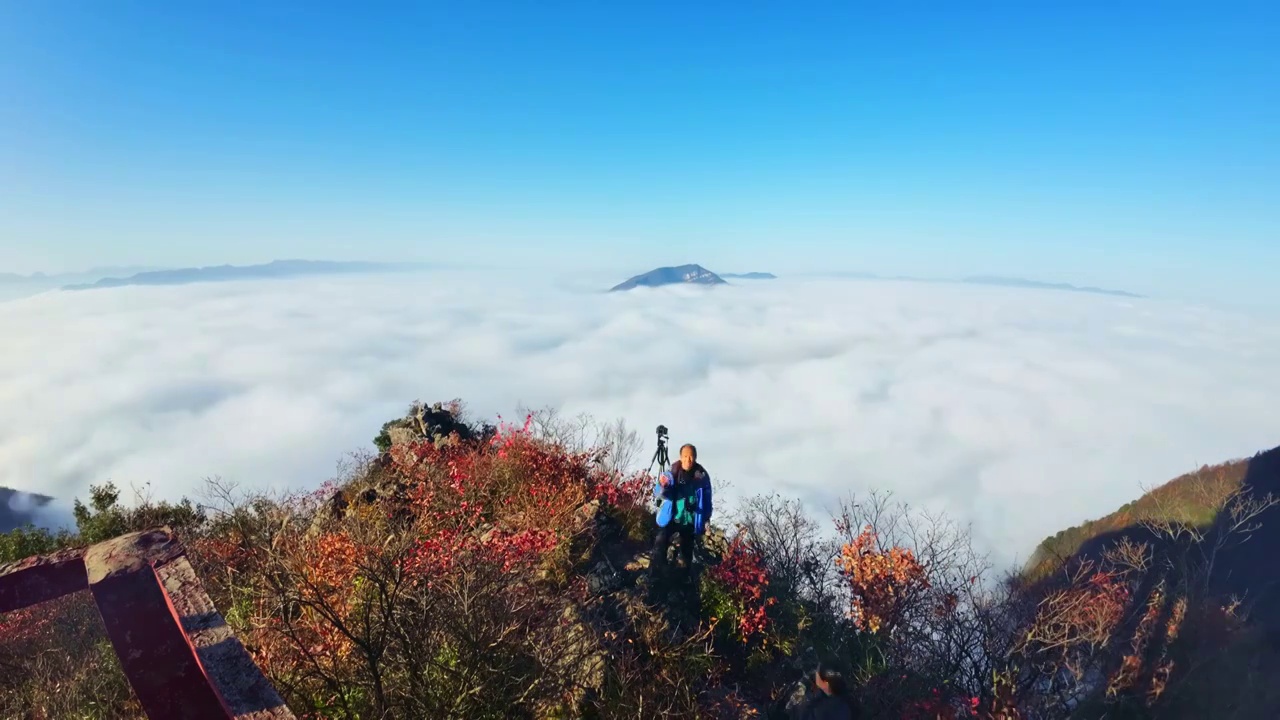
(745, 581)
(938, 706)
(881, 582)
(452, 574)
(442, 553)
(517, 479)
(633, 491)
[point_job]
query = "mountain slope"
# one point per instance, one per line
(1200, 500)
(678, 275)
(1189, 498)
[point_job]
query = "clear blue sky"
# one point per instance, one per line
(1120, 143)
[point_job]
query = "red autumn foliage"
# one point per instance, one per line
(742, 572)
(939, 706)
(462, 551)
(460, 590)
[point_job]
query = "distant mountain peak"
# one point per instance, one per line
(677, 275)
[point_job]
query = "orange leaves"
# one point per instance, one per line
(329, 567)
(881, 582)
(332, 564)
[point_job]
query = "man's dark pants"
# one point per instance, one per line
(659, 559)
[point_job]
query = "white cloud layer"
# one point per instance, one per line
(1021, 411)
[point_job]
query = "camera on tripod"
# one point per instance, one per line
(660, 456)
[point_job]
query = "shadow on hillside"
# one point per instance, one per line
(1250, 571)
(1246, 568)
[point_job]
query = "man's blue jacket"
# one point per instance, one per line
(696, 488)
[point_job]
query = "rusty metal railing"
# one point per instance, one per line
(181, 658)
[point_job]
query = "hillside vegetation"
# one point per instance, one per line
(477, 571)
(1194, 499)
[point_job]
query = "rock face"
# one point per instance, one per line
(679, 275)
(438, 422)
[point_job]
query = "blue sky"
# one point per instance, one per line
(1127, 144)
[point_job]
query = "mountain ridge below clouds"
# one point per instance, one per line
(750, 276)
(90, 275)
(16, 508)
(1036, 284)
(993, 280)
(224, 273)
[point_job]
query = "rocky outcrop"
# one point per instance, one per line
(439, 423)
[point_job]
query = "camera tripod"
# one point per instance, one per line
(660, 456)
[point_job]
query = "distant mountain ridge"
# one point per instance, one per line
(677, 275)
(996, 280)
(750, 276)
(1020, 282)
(7, 278)
(16, 507)
(223, 273)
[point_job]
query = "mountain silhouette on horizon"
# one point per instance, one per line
(678, 275)
(16, 508)
(995, 280)
(750, 276)
(89, 275)
(271, 270)
(1024, 283)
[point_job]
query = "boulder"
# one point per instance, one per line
(603, 579)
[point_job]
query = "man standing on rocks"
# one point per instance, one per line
(685, 493)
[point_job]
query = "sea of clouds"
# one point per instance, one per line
(1021, 411)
